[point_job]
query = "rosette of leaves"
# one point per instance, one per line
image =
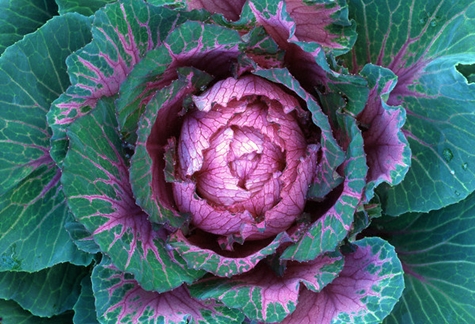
(192, 161)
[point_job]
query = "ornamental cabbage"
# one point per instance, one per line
(237, 161)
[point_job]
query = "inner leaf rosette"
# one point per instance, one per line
(244, 165)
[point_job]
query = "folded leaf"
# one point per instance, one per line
(263, 295)
(422, 43)
(120, 299)
(96, 183)
(44, 293)
(365, 291)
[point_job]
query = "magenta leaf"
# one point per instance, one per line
(122, 34)
(263, 295)
(387, 150)
(365, 291)
(121, 299)
(95, 180)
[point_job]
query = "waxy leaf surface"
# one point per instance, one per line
(21, 17)
(96, 183)
(120, 299)
(32, 206)
(422, 43)
(437, 252)
(84, 309)
(60, 283)
(84, 7)
(12, 313)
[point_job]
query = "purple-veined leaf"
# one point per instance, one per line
(332, 154)
(326, 233)
(200, 253)
(295, 21)
(120, 299)
(160, 121)
(422, 43)
(437, 253)
(84, 7)
(44, 293)
(96, 183)
(21, 17)
(210, 48)
(84, 309)
(387, 150)
(122, 33)
(331, 228)
(12, 313)
(262, 295)
(365, 291)
(33, 216)
(32, 206)
(27, 90)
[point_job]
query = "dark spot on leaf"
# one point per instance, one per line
(468, 71)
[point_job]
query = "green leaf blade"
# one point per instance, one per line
(45, 293)
(33, 218)
(438, 255)
(27, 90)
(21, 17)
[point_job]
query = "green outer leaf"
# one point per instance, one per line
(32, 206)
(120, 299)
(84, 7)
(27, 89)
(21, 17)
(45, 293)
(12, 313)
(32, 225)
(95, 182)
(437, 251)
(122, 33)
(84, 309)
(422, 42)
